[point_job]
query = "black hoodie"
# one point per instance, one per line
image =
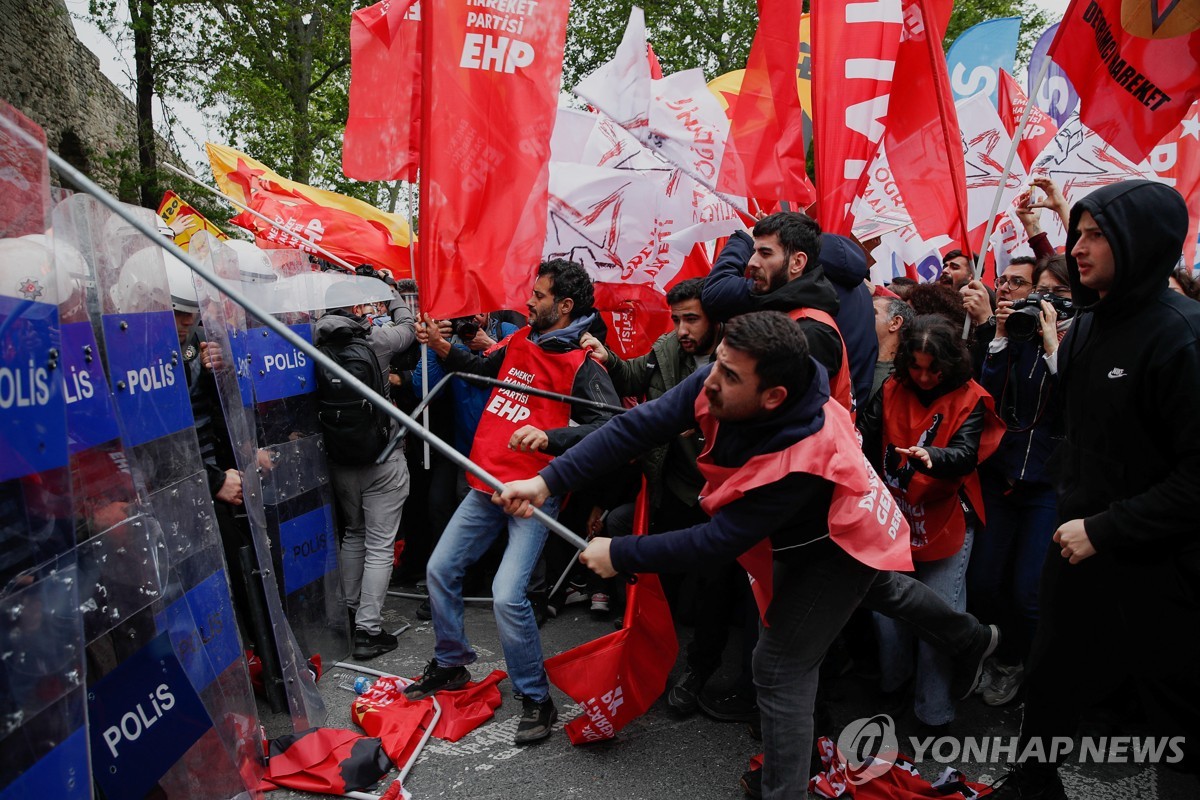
(1130, 374)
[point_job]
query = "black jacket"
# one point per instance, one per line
(727, 294)
(846, 268)
(1129, 375)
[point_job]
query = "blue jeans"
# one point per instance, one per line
(932, 704)
(1020, 523)
(470, 532)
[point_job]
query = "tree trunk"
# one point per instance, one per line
(141, 13)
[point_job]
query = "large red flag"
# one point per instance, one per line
(1135, 65)
(1039, 128)
(636, 314)
(1176, 161)
(617, 677)
(922, 139)
(490, 90)
(854, 57)
(383, 128)
(764, 153)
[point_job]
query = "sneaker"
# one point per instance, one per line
(684, 697)
(537, 720)
(990, 668)
(424, 611)
(1005, 685)
(574, 595)
(968, 667)
(437, 678)
(1029, 782)
(739, 705)
(599, 603)
(752, 783)
(367, 645)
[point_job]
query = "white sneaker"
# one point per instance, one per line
(1006, 682)
(988, 675)
(599, 603)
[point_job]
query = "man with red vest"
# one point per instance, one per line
(781, 462)
(518, 434)
(779, 270)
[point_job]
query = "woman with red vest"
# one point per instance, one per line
(926, 432)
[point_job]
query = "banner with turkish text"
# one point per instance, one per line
(1136, 66)
(491, 81)
(185, 221)
(1039, 128)
(854, 47)
(383, 127)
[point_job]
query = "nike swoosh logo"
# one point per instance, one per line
(1117, 372)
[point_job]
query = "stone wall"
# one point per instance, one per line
(52, 78)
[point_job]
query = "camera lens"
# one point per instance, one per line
(1023, 323)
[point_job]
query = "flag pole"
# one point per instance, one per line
(304, 239)
(81, 181)
(1008, 161)
(412, 268)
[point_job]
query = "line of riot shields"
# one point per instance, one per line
(128, 599)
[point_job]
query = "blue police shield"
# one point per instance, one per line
(171, 709)
(285, 464)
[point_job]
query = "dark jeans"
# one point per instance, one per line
(1105, 619)
(905, 599)
(814, 596)
(1006, 564)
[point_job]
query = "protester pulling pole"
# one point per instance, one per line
(1012, 151)
(81, 181)
(303, 239)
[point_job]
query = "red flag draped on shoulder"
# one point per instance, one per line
(922, 138)
(764, 154)
(491, 81)
(1135, 65)
(1040, 129)
(854, 57)
(383, 128)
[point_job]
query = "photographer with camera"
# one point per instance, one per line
(1033, 313)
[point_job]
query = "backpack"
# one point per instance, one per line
(355, 430)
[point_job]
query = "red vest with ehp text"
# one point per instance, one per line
(508, 410)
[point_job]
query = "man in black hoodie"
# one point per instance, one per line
(1124, 576)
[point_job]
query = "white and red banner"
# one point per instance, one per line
(986, 145)
(854, 59)
(1176, 162)
(383, 127)
(1039, 128)
(1136, 66)
(491, 81)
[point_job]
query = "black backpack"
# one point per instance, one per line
(355, 430)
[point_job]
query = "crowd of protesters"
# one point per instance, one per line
(1060, 527)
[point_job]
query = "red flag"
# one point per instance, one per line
(1039, 128)
(345, 235)
(384, 711)
(764, 154)
(1135, 65)
(854, 57)
(636, 315)
(383, 128)
(489, 102)
(325, 760)
(1176, 161)
(922, 138)
(617, 677)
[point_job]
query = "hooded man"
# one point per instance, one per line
(518, 434)
(1123, 577)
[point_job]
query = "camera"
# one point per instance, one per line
(1026, 317)
(464, 328)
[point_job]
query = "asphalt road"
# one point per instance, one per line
(661, 755)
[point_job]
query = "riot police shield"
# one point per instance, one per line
(42, 713)
(170, 705)
(266, 389)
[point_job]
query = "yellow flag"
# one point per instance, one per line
(184, 220)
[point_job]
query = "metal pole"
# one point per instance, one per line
(424, 348)
(523, 389)
(287, 334)
(308, 242)
(1012, 151)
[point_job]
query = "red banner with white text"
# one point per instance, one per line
(1135, 65)
(854, 47)
(383, 127)
(491, 82)
(1039, 128)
